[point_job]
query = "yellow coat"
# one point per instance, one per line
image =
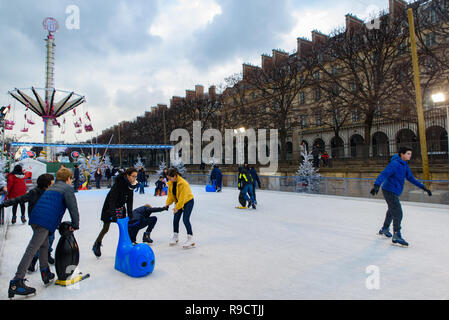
(183, 193)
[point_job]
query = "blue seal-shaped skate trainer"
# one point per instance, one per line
(134, 260)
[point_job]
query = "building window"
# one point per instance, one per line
(317, 94)
(253, 96)
(316, 75)
(302, 97)
(430, 39)
(355, 115)
(353, 86)
(318, 120)
(303, 121)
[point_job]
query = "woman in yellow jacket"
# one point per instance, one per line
(179, 192)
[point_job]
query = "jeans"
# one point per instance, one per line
(248, 189)
(22, 209)
(394, 212)
(135, 225)
(141, 188)
(39, 241)
(97, 182)
(185, 213)
(51, 239)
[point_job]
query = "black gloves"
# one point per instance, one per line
(165, 208)
(375, 190)
(428, 191)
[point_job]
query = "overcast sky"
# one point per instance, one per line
(130, 55)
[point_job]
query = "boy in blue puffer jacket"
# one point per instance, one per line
(393, 178)
(44, 219)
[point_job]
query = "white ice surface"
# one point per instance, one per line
(294, 246)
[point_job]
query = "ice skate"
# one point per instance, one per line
(47, 276)
(397, 239)
(174, 240)
(23, 219)
(32, 266)
(96, 249)
(17, 287)
(385, 232)
(146, 238)
(189, 242)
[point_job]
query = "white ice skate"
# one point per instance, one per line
(189, 243)
(174, 240)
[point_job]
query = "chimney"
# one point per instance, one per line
(279, 56)
(304, 47)
(318, 39)
(190, 94)
(267, 62)
(199, 90)
(353, 24)
(397, 8)
(212, 91)
(248, 69)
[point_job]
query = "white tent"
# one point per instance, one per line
(35, 167)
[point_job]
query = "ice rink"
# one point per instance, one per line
(294, 246)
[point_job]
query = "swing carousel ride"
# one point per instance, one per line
(51, 105)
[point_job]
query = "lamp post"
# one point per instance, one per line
(439, 98)
(240, 144)
(419, 106)
(3, 111)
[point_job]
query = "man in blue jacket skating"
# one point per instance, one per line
(393, 178)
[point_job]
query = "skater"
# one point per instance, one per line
(179, 192)
(17, 188)
(86, 176)
(256, 179)
(393, 178)
(142, 218)
(316, 155)
(245, 185)
(76, 177)
(325, 159)
(121, 193)
(160, 185)
(216, 176)
(98, 177)
(141, 180)
(44, 181)
(108, 175)
(44, 219)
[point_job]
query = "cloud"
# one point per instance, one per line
(242, 28)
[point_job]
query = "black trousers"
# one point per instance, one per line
(394, 212)
(22, 209)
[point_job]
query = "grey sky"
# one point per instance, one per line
(130, 55)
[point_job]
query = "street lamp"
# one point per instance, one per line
(439, 98)
(240, 144)
(3, 111)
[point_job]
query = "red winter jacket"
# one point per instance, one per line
(16, 185)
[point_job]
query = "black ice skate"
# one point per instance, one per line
(397, 239)
(32, 266)
(23, 219)
(17, 287)
(47, 276)
(385, 232)
(146, 238)
(96, 249)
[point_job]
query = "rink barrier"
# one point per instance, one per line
(346, 187)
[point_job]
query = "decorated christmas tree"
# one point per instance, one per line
(162, 167)
(308, 178)
(139, 163)
(107, 162)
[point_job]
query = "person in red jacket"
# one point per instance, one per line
(16, 188)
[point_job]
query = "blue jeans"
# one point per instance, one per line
(141, 188)
(185, 213)
(134, 226)
(248, 189)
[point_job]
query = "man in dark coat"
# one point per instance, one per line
(121, 194)
(216, 176)
(108, 176)
(142, 218)
(245, 185)
(256, 179)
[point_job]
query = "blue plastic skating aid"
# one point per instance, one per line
(211, 188)
(134, 260)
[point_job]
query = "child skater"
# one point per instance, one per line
(393, 178)
(160, 185)
(44, 219)
(179, 192)
(142, 218)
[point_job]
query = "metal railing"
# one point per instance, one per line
(345, 187)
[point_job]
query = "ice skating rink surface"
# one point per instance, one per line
(294, 246)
